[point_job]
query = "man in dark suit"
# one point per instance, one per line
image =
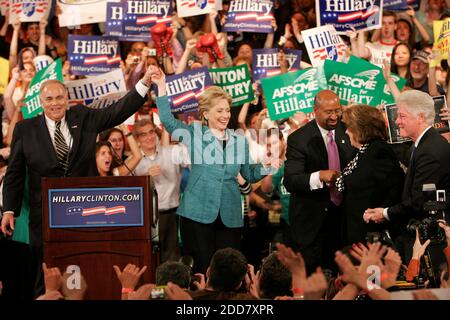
(58, 143)
(316, 153)
(430, 161)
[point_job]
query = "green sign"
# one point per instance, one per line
(236, 81)
(32, 102)
(293, 91)
(387, 96)
(359, 81)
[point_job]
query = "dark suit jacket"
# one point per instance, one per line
(377, 182)
(33, 150)
(307, 153)
(430, 164)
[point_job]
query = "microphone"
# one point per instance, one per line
(119, 159)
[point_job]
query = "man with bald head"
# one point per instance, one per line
(58, 143)
(316, 154)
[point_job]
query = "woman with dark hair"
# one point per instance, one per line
(373, 177)
(122, 164)
(103, 159)
(401, 59)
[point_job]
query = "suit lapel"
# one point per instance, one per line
(46, 139)
(75, 132)
(319, 144)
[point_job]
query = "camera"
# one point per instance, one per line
(157, 293)
(383, 237)
(434, 204)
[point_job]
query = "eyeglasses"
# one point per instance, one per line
(337, 112)
(146, 134)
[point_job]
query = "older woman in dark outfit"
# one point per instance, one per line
(373, 177)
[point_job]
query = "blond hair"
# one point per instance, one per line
(206, 100)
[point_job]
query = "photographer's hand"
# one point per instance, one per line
(443, 224)
(418, 248)
(201, 284)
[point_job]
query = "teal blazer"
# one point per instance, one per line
(212, 187)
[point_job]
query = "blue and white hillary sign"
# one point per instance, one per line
(415, 4)
(183, 89)
(95, 207)
(92, 55)
(395, 5)
(344, 14)
(131, 20)
(28, 10)
(249, 16)
(88, 91)
(265, 62)
(324, 43)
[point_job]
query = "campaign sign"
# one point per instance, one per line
(291, 92)
(249, 16)
(28, 10)
(95, 207)
(236, 81)
(362, 65)
(324, 43)
(4, 72)
(184, 88)
(395, 5)
(344, 14)
(4, 7)
(440, 125)
(78, 12)
(441, 29)
(132, 20)
(91, 55)
(265, 62)
(32, 101)
(353, 85)
(415, 4)
(87, 91)
(189, 8)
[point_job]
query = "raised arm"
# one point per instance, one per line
(14, 44)
(132, 161)
(42, 25)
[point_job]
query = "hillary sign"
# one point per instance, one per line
(88, 91)
(324, 43)
(265, 62)
(184, 89)
(249, 16)
(99, 207)
(291, 92)
(28, 10)
(344, 14)
(91, 55)
(132, 20)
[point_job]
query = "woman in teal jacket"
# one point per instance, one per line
(210, 211)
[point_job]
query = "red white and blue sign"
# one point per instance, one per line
(96, 207)
(265, 62)
(345, 14)
(92, 55)
(249, 16)
(184, 89)
(132, 20)
(395, 5)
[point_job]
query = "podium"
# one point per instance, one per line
(96, 222)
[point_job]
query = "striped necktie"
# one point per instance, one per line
(62, 150)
